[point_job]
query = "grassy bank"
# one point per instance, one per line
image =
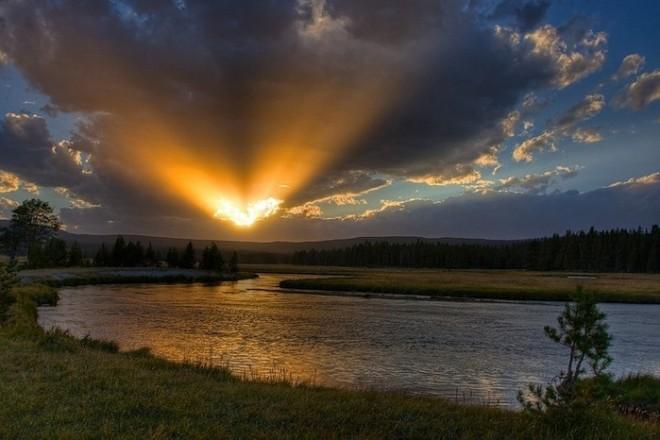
(510, 285)
(60, 277)
(55, 386)
(305, 270)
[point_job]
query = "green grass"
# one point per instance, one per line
(55, 386)
(636, 395)
(142, 279)
(509, 285)
(78, 276)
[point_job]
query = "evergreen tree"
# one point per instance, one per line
(102, 257)
(172, 257)
(55, 252)
(583, 331)
(150, 258)
(188, 257)
(32, 222)
(620, 253)
(653, 259)
(205, 262)
(212, 259)
(233, 263)
(130, 257)
(133, 254)
(35, 256)
(139, 254)
(219, 265)
(75, 255)
(119, 252)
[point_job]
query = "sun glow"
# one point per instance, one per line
(245, 175)
(253, 212)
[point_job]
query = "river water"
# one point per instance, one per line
(480, 352)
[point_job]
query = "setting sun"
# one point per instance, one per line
(254, 212)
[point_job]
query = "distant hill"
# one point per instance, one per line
(91, 242)
(260, 250)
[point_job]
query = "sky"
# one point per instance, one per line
(321, 119)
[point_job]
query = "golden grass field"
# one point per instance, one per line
(492, 284)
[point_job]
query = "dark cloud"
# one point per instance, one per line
(346, 183)
(524, 14)
(387, 22)
(589, 107)
(574, 51)
(27, 150)
(497, 215)
(631, 65)
(562, 127)
(509, 215)
(537, 183)
(514, 215)
(108, 221)
(406, 89)
(643, 91)
(6, 207)
(438, 124)
(49, 110)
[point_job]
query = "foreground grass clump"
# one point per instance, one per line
(56, 386)
(636, 395)
(22, 319)
(500, 285)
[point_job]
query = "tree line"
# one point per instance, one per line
(33, 226)
(54, 252)
(32, 232)
(616, 250)
(123, 254)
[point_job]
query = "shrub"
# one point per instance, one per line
(582, 329)
(8, 279)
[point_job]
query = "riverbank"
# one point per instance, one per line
(489, 284)
(78, 276)
(55, 386)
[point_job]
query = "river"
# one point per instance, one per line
(473, 351)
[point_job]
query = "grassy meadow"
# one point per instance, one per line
(55, 386)
(77, 276)
(485, 284)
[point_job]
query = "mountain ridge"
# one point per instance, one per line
(91, 242)
(277, 247)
